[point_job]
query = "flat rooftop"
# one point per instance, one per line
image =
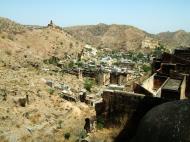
(172, 84)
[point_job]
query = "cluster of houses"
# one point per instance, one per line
(169, 81)
(104, 66)
(112, 70)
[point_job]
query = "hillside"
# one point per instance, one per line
(121, 37)
(175, 39)
(39, 43)
(23, 72)
(9, 26)
(127, 37)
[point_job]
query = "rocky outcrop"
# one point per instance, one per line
(150, 43)
(168, 122)
(114, 36)
(124, 37)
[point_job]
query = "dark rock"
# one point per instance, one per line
(168, 122)
(22, 102)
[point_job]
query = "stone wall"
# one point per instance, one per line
(118, 78)
(118, 104)
(103, 78)
(126, 108)
(183, 88)
(148, 84)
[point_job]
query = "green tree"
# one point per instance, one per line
(146, 68)
(140, 55)
(79, 64)
(159, 50)
(100, 122)
(51, 91)
(88, 84)
(71, 64)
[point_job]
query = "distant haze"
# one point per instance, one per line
(153, 16)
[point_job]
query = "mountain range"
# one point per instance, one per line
(21, 44)
(113, 37)
(126, 37)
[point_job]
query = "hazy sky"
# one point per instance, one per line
(150, 15)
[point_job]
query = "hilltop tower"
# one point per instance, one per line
(51, 24)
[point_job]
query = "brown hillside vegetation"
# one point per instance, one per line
(35, 44)
(9, 26)
(126, 37)
(40, 42)
(47, 117)
(110, 36)
(175, 39)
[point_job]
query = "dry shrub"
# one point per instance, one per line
(10, 37)
(35, 118)
(8, 52)
(3, 139)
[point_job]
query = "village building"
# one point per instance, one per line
(103, 77)
(169, 81)
(118, 76)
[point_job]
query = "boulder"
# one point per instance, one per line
(168, 122)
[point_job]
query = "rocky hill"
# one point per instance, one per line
(175, 39)
(110, 36)
(23, 73)
(127, 37)
(119, 37)
(28, 43)
(9, 26)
